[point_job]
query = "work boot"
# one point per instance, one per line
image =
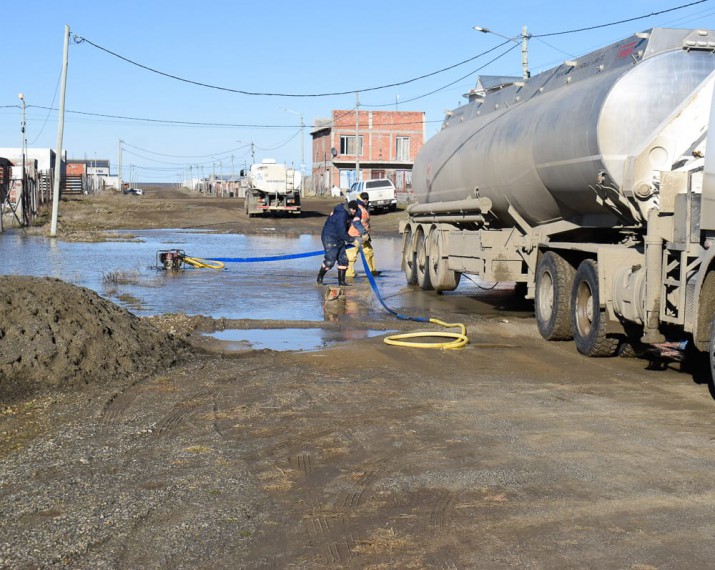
(341, 278)
(321, 274)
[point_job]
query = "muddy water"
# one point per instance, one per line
(125, 272)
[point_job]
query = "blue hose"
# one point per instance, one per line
(272, 258)
(371, 279)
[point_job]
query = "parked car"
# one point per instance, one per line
(135, 191)
(380, 190)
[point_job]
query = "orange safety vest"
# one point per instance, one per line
(364, 220)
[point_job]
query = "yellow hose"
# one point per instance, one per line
(203, 263)
(459, 339)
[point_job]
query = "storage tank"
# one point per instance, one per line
(541, 145)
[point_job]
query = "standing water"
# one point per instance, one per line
(125, 272)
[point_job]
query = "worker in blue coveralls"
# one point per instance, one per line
(335, 237)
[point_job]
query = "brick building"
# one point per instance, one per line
(388, 144)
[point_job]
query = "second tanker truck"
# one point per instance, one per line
(590, 184)
(270, 188)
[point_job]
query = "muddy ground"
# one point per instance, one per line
(511, 452)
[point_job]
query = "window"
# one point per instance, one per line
(402, 148)
(347, 145)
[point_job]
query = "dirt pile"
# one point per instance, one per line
(57, 335)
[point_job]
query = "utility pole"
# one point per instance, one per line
(60, 133)
(23, 202)
(357, 137)
(119, 174)
(525, 53)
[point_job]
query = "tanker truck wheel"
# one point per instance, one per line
(711, 352)
(552, 305)
(441, 277)
(409, 262)
(422, 260)
(588, 321)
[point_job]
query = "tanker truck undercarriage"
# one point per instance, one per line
(616, 246)
(634, 287)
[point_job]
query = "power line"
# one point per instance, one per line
(124, 143)
(620, 21)
(450, 84)
(180, 123)
(169, 121)
(80, 39)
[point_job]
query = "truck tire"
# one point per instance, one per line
(422, 260)
(552, 303)
(588, 321)
(409, 262)
(441, 277)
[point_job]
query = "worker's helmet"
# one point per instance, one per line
(364, 196)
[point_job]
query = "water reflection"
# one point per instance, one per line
(234, 340)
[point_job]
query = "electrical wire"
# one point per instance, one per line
(225, 152)
(197, 123)
(47, 116)
(453, 82)
(79, 40)
(619, 21)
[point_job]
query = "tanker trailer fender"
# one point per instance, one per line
(700, 302)
(407, 229)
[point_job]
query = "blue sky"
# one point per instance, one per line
(271, 47)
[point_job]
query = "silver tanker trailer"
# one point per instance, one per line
(590, 185)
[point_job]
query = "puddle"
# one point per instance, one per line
(237, 340)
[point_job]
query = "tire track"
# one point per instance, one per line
(439, 516)
(180, 412)
(272, 451)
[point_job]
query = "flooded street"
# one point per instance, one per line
(125, 272)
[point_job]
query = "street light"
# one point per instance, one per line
(523, 39)
(302, 143)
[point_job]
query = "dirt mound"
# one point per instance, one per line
(53, 334)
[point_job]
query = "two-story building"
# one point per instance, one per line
(386, 143)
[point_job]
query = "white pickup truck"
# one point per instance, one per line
(381, 192)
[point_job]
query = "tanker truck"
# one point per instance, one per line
(588, 185)
(271, 187)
